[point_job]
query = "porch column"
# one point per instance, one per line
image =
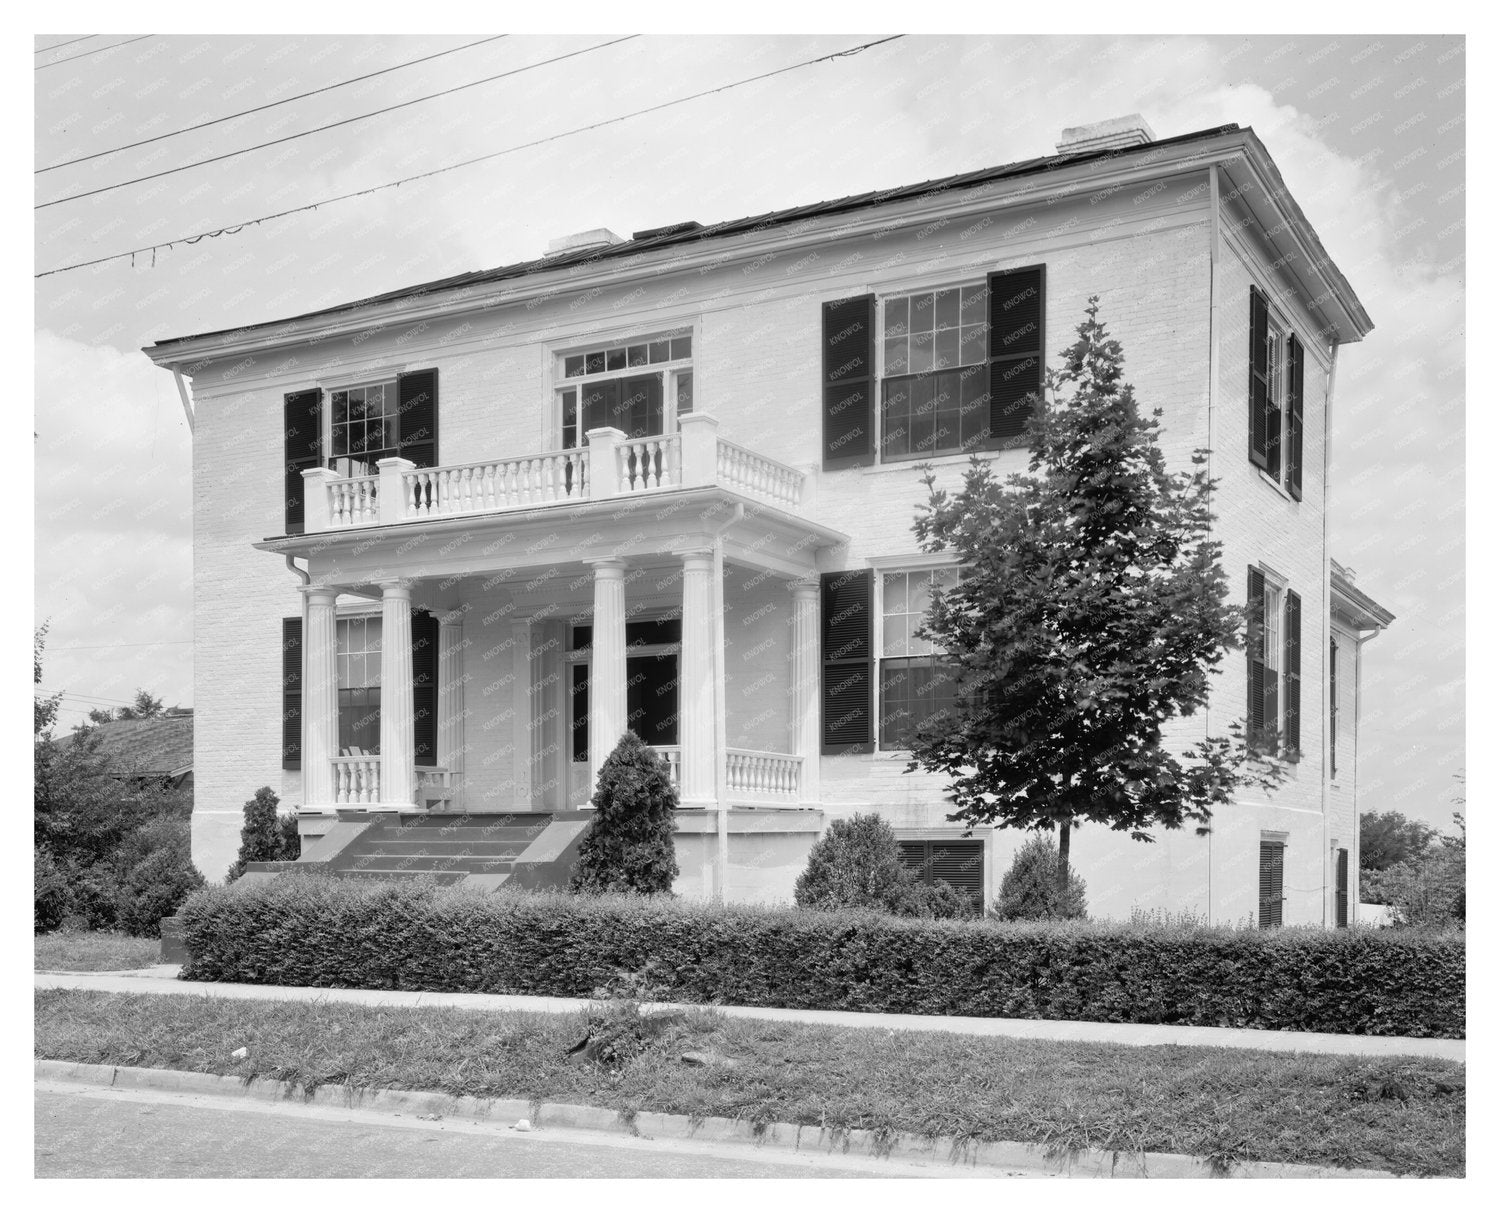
(804, 676)
(397, 728)
(320, 695)
(525, 713)
(695, 694)
(450, 705)
(607, 714)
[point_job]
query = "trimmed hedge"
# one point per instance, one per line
(317, 931)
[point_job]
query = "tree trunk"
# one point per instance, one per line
(1064, 839)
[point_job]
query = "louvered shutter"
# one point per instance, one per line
(1255, 652)
(1333, 707)
(417, 418)
(1271, 866)
(1018, 316)
(1260, 392)
(848, 659)
(424, 686)
(302, 425)
(849, 382)
(1341, 890)
(1292, 674)
(1294, 420)
(291, 693)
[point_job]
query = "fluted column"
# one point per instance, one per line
(320, 696)
(525, 712)
(450, 705)
(695, 678)
(397, 728)
(607, 714)
(804, 677)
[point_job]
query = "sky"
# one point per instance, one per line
(1369, 134)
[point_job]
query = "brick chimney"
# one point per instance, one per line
(1128, 131)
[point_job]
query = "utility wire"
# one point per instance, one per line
(60, 45)
(182, 168)
(136, 644)
(98, 50)
(232, 229)
(124, 147)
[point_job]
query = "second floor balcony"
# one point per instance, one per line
(609, 465)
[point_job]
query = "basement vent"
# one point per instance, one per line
(1128, 131)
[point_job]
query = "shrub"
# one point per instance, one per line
(628, 844)
(155, 889)
(856, 865)
(320, 931)
(1029, 889)
(265, 836)
(50, 884)
(937, 900)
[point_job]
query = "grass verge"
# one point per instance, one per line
(94, 951)
(1398, 1114)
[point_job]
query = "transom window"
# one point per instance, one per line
(934, 394)
(627, 386)
(365, 429)
(916, 680)
(358, 647)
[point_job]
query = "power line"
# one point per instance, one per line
(124, 147)
(133, 644)
(99, 50)
(60, 45)
(233, 229)
(104, 189)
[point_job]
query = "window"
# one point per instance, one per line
(652, 647)
(1276, 388)
(1272, 868)
(1332, 706)
(358, 647)
(958, 861)
(915, 680)
(364, 427)
(1274, 651)
(1341, 888)
(626, 387)
(934, 387)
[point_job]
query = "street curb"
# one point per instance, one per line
(943, 1151)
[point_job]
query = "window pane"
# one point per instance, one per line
(922, 313)
(947, 309)
(637, 355)
(614, 360)
(895, 355)
(682, 347)
(921, 352)
(974, 348)
(893, 591)
(971, 307)
(661, 351)
(572, 365)
(593, 364)
(684, 392)
(896, 318)
(947, 347)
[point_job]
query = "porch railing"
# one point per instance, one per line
(356, 780)
(672, 756)
(762, 775)
(610, 465)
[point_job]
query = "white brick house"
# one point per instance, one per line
(670, 482)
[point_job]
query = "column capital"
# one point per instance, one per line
(805, 587)
(321, 595)
(395, 590)
(701, 559)
(608, 570)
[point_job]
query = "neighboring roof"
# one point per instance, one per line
(690, 232)
(163, 746)
(1353, 603)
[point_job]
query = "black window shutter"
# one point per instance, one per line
(1018, 322)
(958, 861)
(1294, 420)
(291, 693)
(849, 382)
(1255, 651)
(1260, 395)
(417, 400)
(848, 659)
(1341, 890)
(424, 686)
(302, 424)
(1292, 672)
(1271, 865)
(1333, 708)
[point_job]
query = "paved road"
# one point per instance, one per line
(89, 1132)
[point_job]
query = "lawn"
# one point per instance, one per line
(94, 951)
(1404, 1114)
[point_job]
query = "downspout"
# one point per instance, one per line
(1213, 399)
(187, 399)
(1327, 631)
(721, 728)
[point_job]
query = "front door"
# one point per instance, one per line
(650, 708)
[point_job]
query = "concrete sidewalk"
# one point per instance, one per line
(162, 979)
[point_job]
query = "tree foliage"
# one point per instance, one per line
(1387, 839)
(1029, 889)
(1092, 610)
(266, 836)
(628, 847)
(856, 865)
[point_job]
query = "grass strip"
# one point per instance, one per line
(1224, 1105)
(94, 951)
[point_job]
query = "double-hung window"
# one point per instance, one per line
(934, 386)
(364, 423)
(1276, 389)
(915, 679)
(1274, 652)
(358, 647)
(638, 387)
